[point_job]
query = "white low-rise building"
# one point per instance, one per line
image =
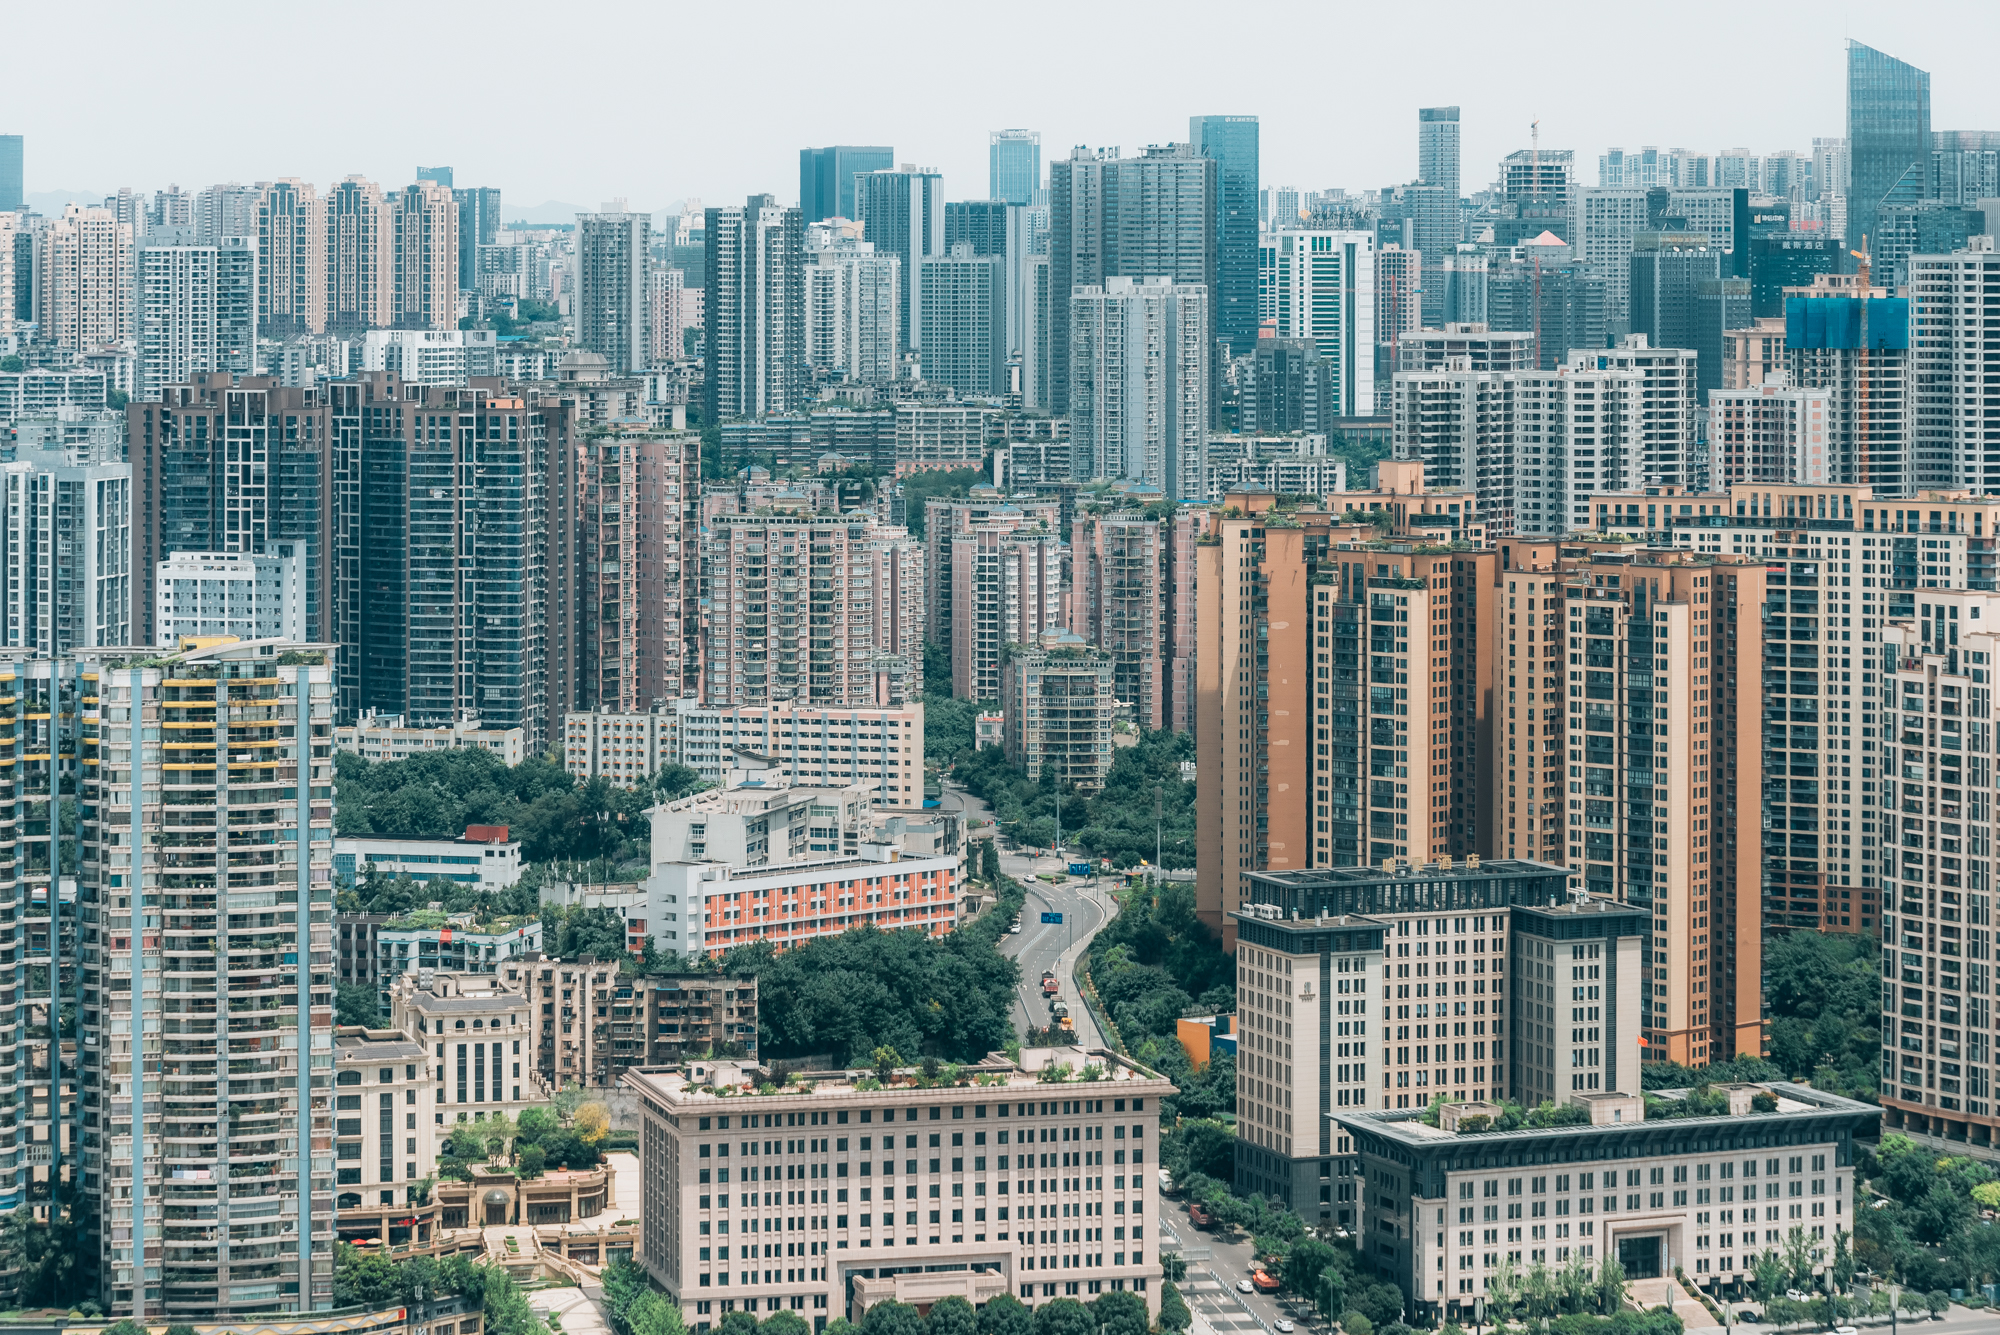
(711, 907)
(253, 597)
(431, 356)
(879, 747)
(908, 1194)
(483, 856)
(383, 737)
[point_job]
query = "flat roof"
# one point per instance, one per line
(1405, 1128)
(677, 1085)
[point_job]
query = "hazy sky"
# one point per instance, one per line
(585, 101)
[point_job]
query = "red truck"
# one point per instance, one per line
(1200, 1217)
(1049, 984)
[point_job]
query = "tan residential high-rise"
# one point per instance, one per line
(1058, 700)
(803, 606)
(291, 248)
(426, 257)
(1006, 589)
(1634, 694)
(639, 616)
(1177, 579)
(360, 273)
(1118, 603)
(84, 292)
(10, 228)
(945, 519)
(1381, 758)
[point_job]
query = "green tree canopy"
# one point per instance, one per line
(865, 989)
(1005, 1315)
(1120, 1314)
(952, 1315)
(1064, 1316)
(892, 1318)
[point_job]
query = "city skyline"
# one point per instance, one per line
(537, 161)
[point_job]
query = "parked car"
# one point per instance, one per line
(1797, 1296)
(1016, 927)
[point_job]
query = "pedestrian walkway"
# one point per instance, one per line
(577, 1311)
(1648, 1294)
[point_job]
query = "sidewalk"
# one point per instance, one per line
(1649, 1294)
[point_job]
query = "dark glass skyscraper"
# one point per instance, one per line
(1888, 135)
(478, 225)
(980, 222)
(1232, 142)
(826, 178)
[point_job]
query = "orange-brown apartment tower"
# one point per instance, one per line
(1628, 693)
(1342, 699)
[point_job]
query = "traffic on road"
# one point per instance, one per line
(1060, 914)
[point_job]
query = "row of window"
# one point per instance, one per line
(1049, 1135)
(1703, 1172)
(1048, 1108)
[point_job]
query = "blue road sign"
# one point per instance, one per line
(1052, 917)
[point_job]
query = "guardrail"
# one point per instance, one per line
(1086, 989)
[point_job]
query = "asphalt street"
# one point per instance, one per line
(1083, 903)
(1215, 1265)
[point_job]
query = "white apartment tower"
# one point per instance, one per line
(1139, 382)
(83, 290)
(1320, 285)
(851, 303)
(805, 608)
(1954, 299)
(197, 308)
(249, 596)
(215, 895)
(1536, 445)
(753, 310)
(1773, 432)
(65, 550)
(610, 303)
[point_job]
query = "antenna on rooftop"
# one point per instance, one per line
(1535, 158)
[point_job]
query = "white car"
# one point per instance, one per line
(1015, 928)
(1797, 1296)
(1283, 1327)
(1844, 1330)
(1245, 1286)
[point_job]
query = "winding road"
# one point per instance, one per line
(1085, 907)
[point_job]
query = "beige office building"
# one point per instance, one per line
(1365, 988)
(829, 1201)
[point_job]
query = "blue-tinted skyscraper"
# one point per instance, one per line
(1015, 158)
(12, 154)
(1888, 135)
(441, 175)
(826, 178)
(1232, 142)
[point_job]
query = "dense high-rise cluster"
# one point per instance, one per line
(1580, 583)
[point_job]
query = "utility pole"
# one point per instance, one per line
(1158, 790)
